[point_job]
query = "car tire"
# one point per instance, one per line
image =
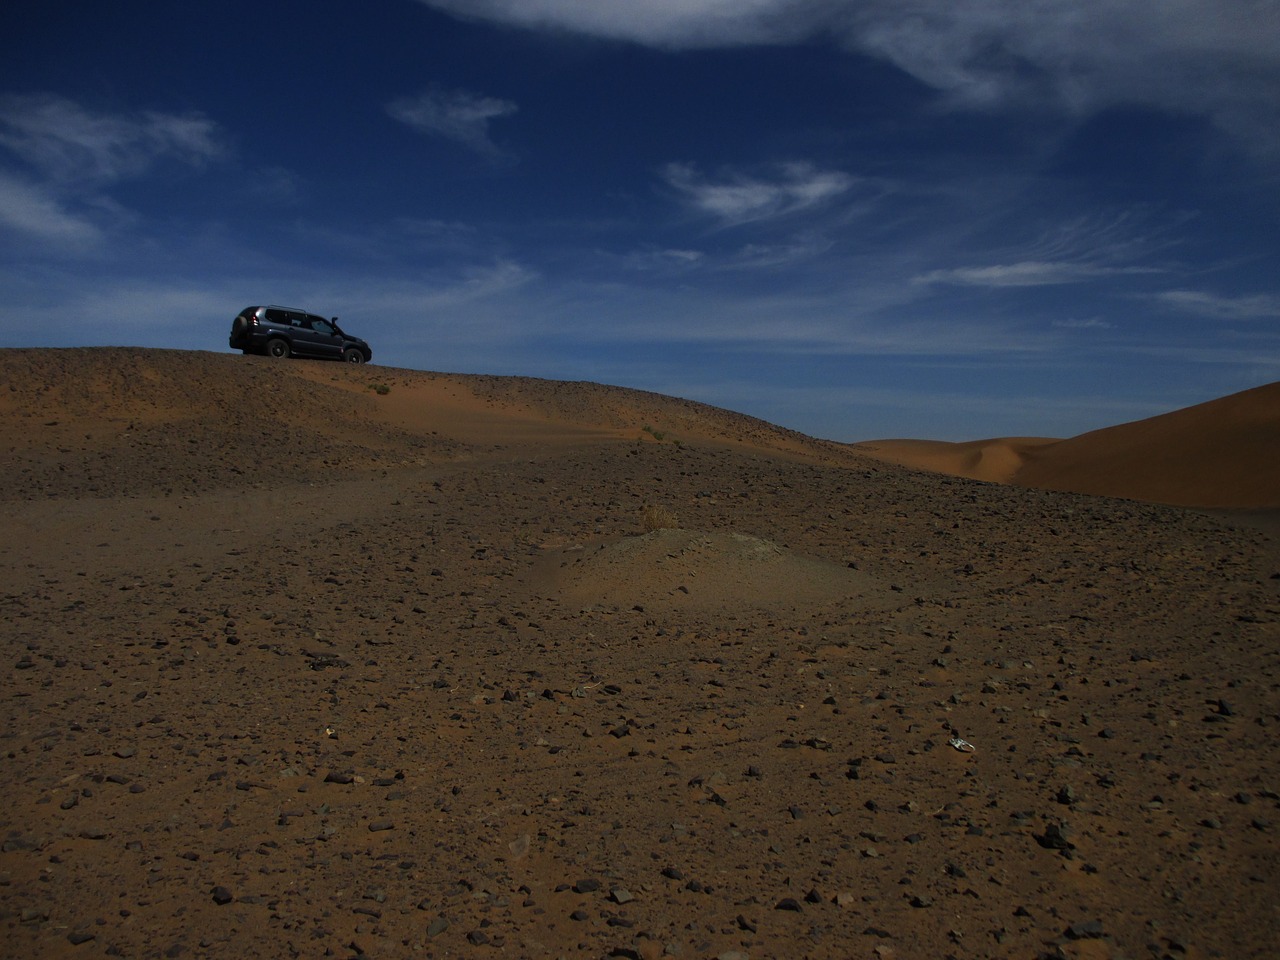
(352, 355)
(276, 347)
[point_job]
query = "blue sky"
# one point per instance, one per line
(855, 218)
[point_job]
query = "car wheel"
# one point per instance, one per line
(352, 355)
(277, 347)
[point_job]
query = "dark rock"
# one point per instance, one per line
(1055, 837)
(437, 926)
(1089, 930)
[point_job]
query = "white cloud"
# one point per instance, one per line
(1219, 58)
(663, 260)
(1257, 307)
(457, 115)
(756, 256)
(738, 198)
(1029, 273)
(68, 143)
(483, 284)
(663, 23)
(30, 211)
(72, 154)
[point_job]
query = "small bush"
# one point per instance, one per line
(658, 518)
(381, 389)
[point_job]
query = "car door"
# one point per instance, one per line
(322, 339)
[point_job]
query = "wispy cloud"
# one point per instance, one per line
(739, 198)
(69, 156)
(1082, 323)
(1028, 273)
(27, 209)
(663, 260)
(676, 24)
(458, 115)
(66, 142)
(1257, 307)
(1220, 58)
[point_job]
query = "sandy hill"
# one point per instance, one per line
(1224, 453)
(308, 660)
(188, 421)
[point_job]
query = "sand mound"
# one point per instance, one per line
(688, 569)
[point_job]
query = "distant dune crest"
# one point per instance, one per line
(1223, 453)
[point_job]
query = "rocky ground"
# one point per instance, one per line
(309, 660)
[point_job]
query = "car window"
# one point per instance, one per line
(277, 316)
(321, 326)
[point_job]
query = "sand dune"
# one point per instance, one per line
(1224, 453)
(309, 660)
(993, 461)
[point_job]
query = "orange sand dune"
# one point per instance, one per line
(996, 461)
(1223, 453)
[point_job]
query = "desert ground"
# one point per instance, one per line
(314, 660)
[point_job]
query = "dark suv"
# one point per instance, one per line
(285, 332)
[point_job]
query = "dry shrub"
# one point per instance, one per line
(658, 518)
